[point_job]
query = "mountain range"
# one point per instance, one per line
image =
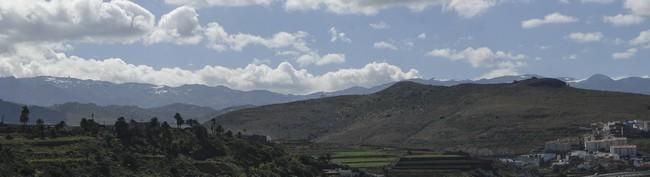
(487, 119)
(72, 113)
(55, 99)
(48, 91)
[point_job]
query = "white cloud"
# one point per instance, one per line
(384, 45)
(586, 37)
(225, 3)
(57, 21)
(589, 1)
(379, 25)
(338, 36)
(629, 53)
(289, 44)
(570, 57)
(642, 40)
(504, 69)
(500, 63)
(180, 26)
(33, 61)
(623, 20)
(598, 1)
(544, 47)
(220, 40)
(257, 61)
(464, 8)
(309, 59)
(638, 7)
(554, 18)
(422, 36)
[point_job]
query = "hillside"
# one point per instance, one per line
(74, 112)
(48, 91)
(603, 82)
(11, 113)
(504, 118)
(145, 149)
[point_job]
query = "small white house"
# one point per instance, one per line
(623, 150)
(593, 145)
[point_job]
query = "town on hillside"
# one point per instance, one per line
(614, 146)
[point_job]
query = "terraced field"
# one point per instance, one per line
(365, 158)
(370, 158)
(51, 150)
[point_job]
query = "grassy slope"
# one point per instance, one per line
(80, 155)
(506, 118)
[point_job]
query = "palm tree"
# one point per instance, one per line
(179, 120)
(24, 116)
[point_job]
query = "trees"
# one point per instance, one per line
(165, 125)
(41, 127)
(89, 126)
(213, 126)
(83, 124)
(60, 126)
(154, 122)
(192, 122)
(179, 120)
(122, 128)
(24, 116)
(153, 131)
(216, 128)
(219, 129)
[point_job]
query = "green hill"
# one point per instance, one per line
(144, 149)
(481, 119)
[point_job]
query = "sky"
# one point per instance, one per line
(305, 46)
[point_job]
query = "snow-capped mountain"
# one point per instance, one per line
(47, 91)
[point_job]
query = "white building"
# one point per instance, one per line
(579, 154)
(593, 145)
(557, 146)
(623, 150)
(641, 125)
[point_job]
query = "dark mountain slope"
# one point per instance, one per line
(505, 118)
(74, 112)
(11, 113)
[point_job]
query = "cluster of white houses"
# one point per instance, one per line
(607, 142)
(608, 137)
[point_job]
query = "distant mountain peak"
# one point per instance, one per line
(543, 82)
(600, 77)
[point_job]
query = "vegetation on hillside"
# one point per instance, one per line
(481, 119)
(153, 148)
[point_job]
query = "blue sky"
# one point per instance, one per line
(446, 39)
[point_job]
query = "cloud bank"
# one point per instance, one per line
(500, 63)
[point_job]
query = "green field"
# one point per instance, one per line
(370, 158)
(365, 158)
(50, 150)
